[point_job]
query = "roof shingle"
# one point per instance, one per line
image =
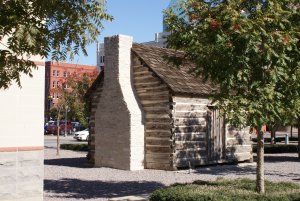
(179, 80)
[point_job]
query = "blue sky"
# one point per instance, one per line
(138, 18)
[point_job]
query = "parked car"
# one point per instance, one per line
(53, 129)
(82, 135)
(77, 126)
(46, 126)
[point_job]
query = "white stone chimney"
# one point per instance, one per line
(119, 131)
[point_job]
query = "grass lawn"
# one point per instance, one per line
(227, 190)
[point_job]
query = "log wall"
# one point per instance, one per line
(190, 130)
(94, 100)
(238, 144)
(154, 97)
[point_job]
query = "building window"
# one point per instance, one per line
(53, 84)
(57, 73)
(102, 59)
(57, 84)
(57, 95)
(65, 73)
(53, 95)
(54, 72)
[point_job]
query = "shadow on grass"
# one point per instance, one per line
(83, 189)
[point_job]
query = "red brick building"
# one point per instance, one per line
(55, 74)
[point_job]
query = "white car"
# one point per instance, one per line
(82, 135)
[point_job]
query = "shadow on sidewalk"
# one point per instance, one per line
(83, 189)
(79, 162)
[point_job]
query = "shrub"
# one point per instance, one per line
(278, 148)
(278, 139)
(75, 147)
(224, 190)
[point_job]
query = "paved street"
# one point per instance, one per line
(50, 141)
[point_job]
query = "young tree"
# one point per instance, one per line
(47, 28)
(250, 49)
(71, 94)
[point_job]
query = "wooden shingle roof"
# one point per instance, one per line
(179, 80)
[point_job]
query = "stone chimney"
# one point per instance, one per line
(119, 130)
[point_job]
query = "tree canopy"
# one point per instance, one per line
(49, 28)
(251, 51)
(72, 95)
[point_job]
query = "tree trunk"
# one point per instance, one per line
(57, 139)
(260, 176)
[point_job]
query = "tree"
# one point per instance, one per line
(71, 94)
(250, 49)
(48, 28)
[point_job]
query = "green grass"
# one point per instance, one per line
(75, 147)
(227, 190)
(278, 148)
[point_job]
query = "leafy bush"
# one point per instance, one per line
(225, 190)
(75, 147)
(278, 148)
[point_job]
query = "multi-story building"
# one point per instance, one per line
(56, 73)
(22, 142)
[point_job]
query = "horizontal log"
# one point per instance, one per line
(154, 94)
(151, 89)
(233, 132)
(150, 102)
(190, 121)
(142, 85)
(181, 145)
(234, 141)
(157, 110)
(156, 116)
(158, 133)
(159, 120)
(140, 69)
(159, 166)
(239, 156)
(142, 73)
(190, 107)
(158, 149)
(200, 136)
(191, 153)
(158, 126)
(158, 141)
(187, 162)
(159, 160)
(155, 97)
(198, 114)
(178, 99)
(159, 155)
(189, 129)
(145, 79)
(238, 149)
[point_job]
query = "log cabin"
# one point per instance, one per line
(147, 113)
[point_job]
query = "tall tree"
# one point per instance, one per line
(251, 50)
(48, 28)
(71, 94)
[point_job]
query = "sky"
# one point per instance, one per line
(140, 19)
